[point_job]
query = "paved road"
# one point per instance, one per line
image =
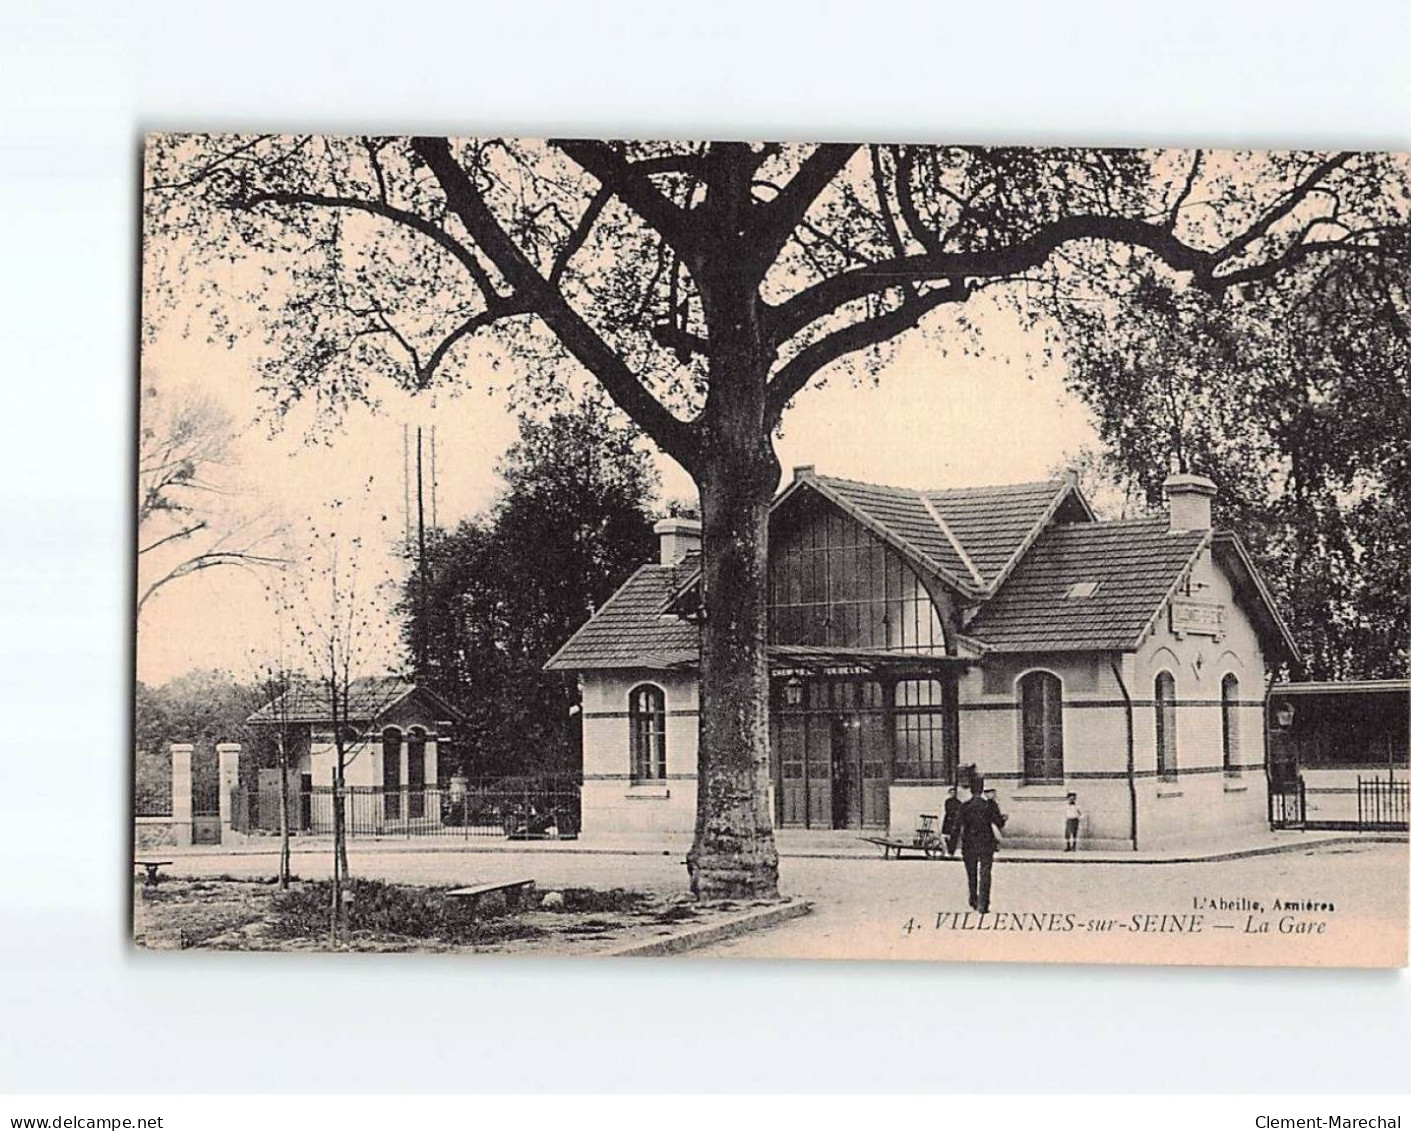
(863, 906)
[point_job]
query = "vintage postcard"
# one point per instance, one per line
(843, 551)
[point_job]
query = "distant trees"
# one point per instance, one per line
(1296, 400)
(504, 590)
(200, 707)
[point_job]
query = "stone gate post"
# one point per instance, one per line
(181, 792)
(229, 755)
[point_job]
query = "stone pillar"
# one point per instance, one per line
(181, 792)
(433, 781)
(229, 755)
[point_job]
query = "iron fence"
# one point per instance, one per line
(1288, 804)
(1382, 804)
(520, 810)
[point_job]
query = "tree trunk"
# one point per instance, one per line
(340, 823)
(336, 909)
(283, 810)
(734, 854)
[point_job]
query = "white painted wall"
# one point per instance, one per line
(612, 801)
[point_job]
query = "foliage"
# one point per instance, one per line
(1296, 400)
(201, 707)
(394, 909)
(592, 900)
(502, 592)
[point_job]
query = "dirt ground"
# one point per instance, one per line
(226, 913)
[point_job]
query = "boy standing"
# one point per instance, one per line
(1070, 824)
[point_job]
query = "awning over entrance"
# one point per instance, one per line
(800, 659)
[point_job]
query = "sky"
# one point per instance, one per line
(934, 418)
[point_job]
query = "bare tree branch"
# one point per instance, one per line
(774, 222)
(577, 336)
(1292, 200)
(798, 370)
(579, 235)
(1185, 192)
(634, 188)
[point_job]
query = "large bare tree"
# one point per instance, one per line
(703, 286)
(186, 522)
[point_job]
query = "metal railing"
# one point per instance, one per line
(1288, 804)
(520, 809)
(1382, 804)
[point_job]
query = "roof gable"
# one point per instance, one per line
(904, 518)
(1135, 565)
(997, 524)
(970, 536)
(368, 699)
(634, 628)
(1254, 594)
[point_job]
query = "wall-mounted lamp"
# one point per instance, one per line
(793, 692)
(1283, 714)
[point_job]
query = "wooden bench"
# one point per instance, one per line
(151, 866)
(516, 893)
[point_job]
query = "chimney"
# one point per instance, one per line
(803, 471)
(679, 537)
(1188, 497)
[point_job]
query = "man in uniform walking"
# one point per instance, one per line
(979, 837)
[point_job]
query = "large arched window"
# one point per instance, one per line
(1230, 723)
(1166, 726)
(646, 709)
(1041, 726)
(835, 584)
(392, 773)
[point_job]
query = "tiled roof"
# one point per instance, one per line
(632, 630)
(903, 512)
(1134, 564)
(307, 701)
(992, 523)
(964, 531)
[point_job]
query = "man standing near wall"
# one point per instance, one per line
(950, 823)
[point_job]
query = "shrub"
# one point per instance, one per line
(380, 908)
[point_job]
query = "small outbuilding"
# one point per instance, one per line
(1339, 751)
(397, 746)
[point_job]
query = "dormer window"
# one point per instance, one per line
(1080, 589)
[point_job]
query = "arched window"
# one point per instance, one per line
(1230, 723)
(392, 774)
(646, 709)
(1166, 726)
(835, 584)
(416, 772)
(1041, 726)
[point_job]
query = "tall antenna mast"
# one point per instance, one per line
(421, 553)
(433, 478)
(406, 493)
